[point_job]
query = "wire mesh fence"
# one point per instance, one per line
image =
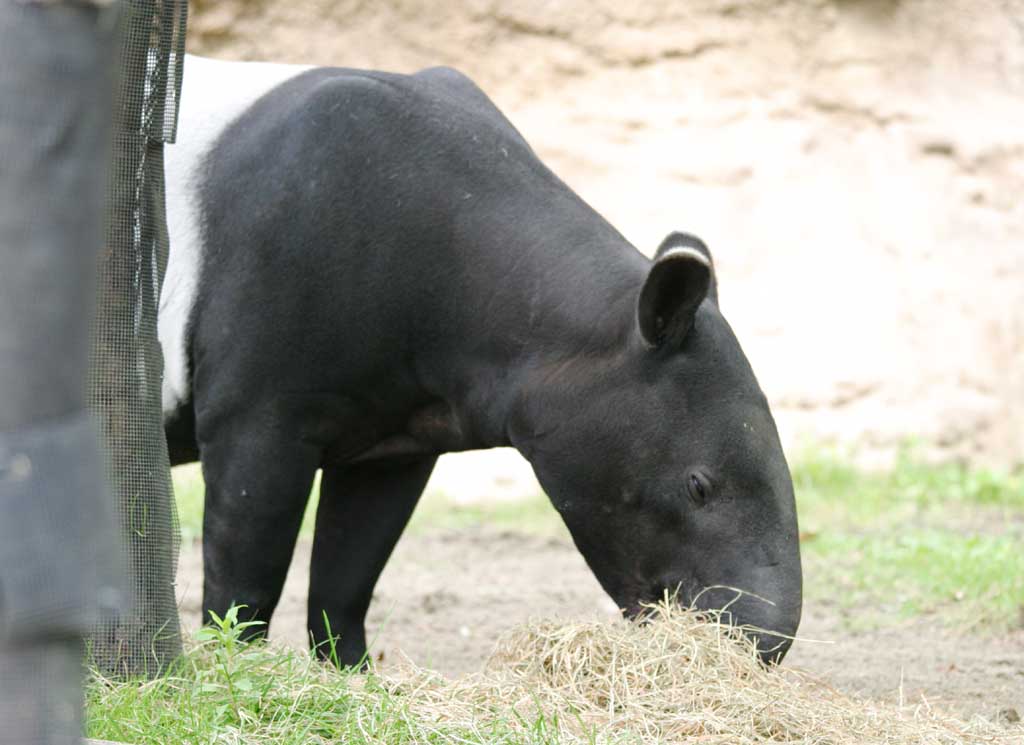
(126, 369)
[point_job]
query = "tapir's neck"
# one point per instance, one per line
(538, 295)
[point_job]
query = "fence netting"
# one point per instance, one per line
(127, 364)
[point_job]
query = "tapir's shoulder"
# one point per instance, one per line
(444, 84)
(434, 97)
(465, 93)
(455, 84)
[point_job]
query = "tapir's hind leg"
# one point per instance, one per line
(363, 509)
(256, 492)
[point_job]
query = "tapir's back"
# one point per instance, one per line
(313, 194)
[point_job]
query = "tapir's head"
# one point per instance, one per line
(664, 461)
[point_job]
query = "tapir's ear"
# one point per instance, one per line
(688, 240)
(678, 282)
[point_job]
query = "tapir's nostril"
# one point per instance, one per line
(771, 649)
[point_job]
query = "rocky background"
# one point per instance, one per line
(857, 167)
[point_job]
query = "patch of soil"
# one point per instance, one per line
(445, 598)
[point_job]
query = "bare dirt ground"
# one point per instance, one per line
(446, 596)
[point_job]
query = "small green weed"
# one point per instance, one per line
(231, 672)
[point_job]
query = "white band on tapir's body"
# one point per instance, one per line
(214, 94)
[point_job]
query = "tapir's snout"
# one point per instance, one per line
(770, 620)
(770, 627)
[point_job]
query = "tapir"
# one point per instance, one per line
(368, 270)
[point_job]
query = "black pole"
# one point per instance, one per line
(59, 560)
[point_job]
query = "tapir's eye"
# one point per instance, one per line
(698, 489)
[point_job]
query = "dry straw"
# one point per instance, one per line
(679, 678)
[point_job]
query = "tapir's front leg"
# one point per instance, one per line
(257, 485)
(363, 510)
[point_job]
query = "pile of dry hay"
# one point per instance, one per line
(676, 679)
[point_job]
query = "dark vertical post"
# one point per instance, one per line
(59, 559)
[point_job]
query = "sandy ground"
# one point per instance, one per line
(446, 596)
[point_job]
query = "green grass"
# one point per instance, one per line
(913, 540)
(226, 691)
(188, 494)
(972, 580)
(830, 490)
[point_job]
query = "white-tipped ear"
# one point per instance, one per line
(679, 239)
(675, 287)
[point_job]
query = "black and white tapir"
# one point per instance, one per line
(368, 270)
